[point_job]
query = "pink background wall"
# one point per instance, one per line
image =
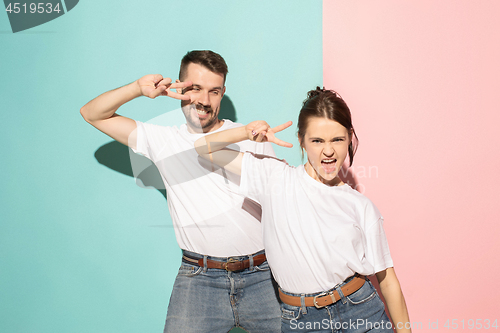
(422, 80)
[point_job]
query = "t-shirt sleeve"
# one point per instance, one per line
(268, 149)
(377, 251)
(256, 171)
(151, 139)
(142, 142)
(259, 148)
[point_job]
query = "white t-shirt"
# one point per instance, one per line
(315, 235)
(208, 214)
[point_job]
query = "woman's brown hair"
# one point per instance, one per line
(323, 103)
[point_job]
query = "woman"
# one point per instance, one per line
(322, 238)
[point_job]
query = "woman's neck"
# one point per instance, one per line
(316, 176)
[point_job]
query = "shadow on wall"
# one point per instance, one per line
(120, 158)
(227, 110)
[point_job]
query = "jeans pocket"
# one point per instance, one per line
(363, 294)
(262, 267)
(290, 312)
(189, 270)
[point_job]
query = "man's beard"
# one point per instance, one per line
(190, 113)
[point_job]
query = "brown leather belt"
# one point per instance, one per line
(325, 298)
(230, 265)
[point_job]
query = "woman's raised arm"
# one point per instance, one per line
(212, 147)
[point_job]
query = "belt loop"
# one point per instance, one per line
(341, 294)
(205, 263)
(303, 304)
(250, 260)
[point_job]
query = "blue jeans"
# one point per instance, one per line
(362, 311)
(214, 300)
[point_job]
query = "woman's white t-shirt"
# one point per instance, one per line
(315, 235)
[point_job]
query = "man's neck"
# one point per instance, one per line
(197, 130)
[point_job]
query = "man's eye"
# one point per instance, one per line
(215, 92)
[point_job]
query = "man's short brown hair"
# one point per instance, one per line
(208, 59)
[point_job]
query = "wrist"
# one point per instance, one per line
(242, 133)
(135, 89)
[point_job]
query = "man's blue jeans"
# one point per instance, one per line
(214, 300)
(362, 311)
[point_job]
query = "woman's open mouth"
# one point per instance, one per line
(329, 165)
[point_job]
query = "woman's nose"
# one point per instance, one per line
(328, 150)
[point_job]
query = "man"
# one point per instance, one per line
(224, 280)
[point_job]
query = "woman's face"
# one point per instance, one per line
(326, 143)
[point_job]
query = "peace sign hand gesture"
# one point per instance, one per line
(154, 85)
(260, 131)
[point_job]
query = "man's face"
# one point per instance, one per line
(202, 111)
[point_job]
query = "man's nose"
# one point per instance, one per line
(204, 100)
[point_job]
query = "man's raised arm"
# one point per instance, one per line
(100, 112)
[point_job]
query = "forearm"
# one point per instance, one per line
(104, 106)
(217, 141)
(391, 290)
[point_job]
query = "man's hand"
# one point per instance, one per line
(154, 85)
(100, 112)
(260, 131)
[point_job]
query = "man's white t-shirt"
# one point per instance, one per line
(315, 235)
(208, 214)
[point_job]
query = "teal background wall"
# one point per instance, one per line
(82, 247)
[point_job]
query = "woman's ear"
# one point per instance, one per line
(301, 146)
(300, 141)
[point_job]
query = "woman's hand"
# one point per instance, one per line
(260, 131)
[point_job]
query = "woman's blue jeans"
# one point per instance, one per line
(214, 300)
(362, 311)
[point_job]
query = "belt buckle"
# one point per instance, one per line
(229, 260)
(323, 294)
(314, 300)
